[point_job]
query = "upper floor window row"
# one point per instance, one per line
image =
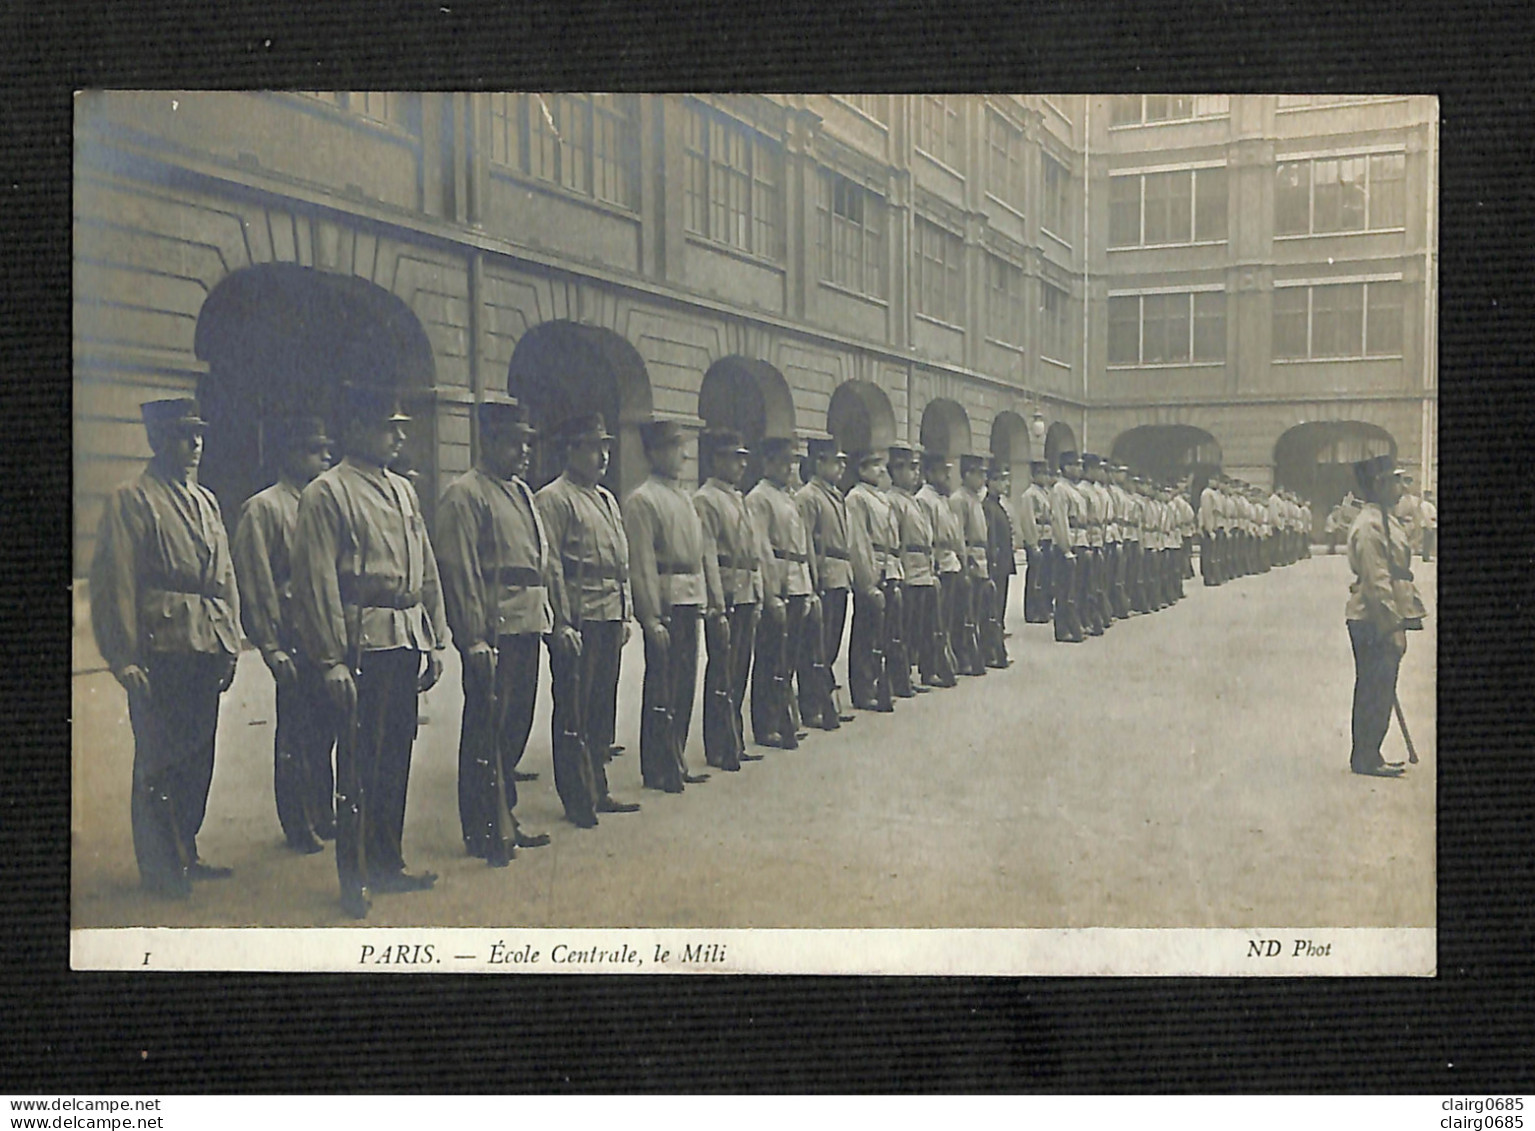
(938, 128)
(1149, 109)
(586, 143)
(1055, 202)
(1338, 320)
(732, 183)
(1006, 171)
(938, 290)
(852, 235)
(1340, 194)
(876, 106)
(1177, 207)
(387, 106)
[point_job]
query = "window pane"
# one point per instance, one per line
(1337, 320)
(1176, 308)
(1124, 330)
(1125, 110)
(1385, 322)
(1292, 199)
(1168, 207)
(1211, 105)
(1351, 194)
(1327, 214)
(1156, 107)
(1388, 205)
(1210, 208)
(1180, 106)
(1124, 211)
(1154, 328)
(1210, 326)
(1290, 322)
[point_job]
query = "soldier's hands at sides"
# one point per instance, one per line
(282, 667)
(481, 660)
(877, 598)
(569, 640)
(1399, 641)
(432, 674)
(778, 611)
(135, 680)
(227, 676)
(340, 689)
(656, 634)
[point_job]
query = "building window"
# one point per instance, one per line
(940, 283)
(1005, 165)
(387, 106)
(1150, 109)
(1004, 301)
(1167, 329)
(852, 236)
(732, 182)
(875, 106)
(1340, 194)
(1054, 324)
(1182, 206)
(938, 128)
(1338, 320)
(1055, 211)
(585, 143)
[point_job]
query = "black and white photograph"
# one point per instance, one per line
(754, 533)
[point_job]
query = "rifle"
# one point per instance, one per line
(1412, 754)
(492, 791)
(352, 810)
(571, 739)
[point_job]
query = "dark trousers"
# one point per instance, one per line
(775, 651)
(1376, 664)
(671, 679)
(1004, 584)
(833, 625)
(820, 644)
(302, 778)
(173, 732)
(866, 676)
(1036, 585)
(1088, 609)
(1430, 544)
(960, 618)
(591, 715)
(1208, 566)
(925, 628)
(990, 601)
(725, 643)
(497, 719)
(1063, 571)
(898, 639)
(1119, 591)
(373, 768)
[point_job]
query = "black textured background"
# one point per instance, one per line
(1468, 1030)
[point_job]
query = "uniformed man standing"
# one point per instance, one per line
(1068, 524)
(919, 585)
(1000, 560)
(302, 778)
(900, 644)
(732, 579)
(871, 540)
(586, 531)
(1209, 526)
(1089, 607)
(948, 548)
(369, 610)
(1039, 549)
(787, 592)
(969, 607)
(498, 574)
(165, 611)
(1187, 527)
(666, 571)
(824, 510)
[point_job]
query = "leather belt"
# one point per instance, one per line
(676, 569)
(516, 577)
(355, 591)
(790, 556)
(186, 590)
(918, 549)
(976, 545)
(883, 549)
(588, 569)
(840, 555)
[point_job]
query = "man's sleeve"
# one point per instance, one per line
(459, 568)
(645, 583)
(774, 571)
(861, 545)
(260, 603)
(114, 584)
(320, 617)
(1367, 556)
(708, 523)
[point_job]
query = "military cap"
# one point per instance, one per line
(1090, 459)
(1036, 466)
(902, 456)
(1370, 471)
(656, 434)
(772, 447)
(932, 459)
(723, 441)
(178, 410)
(501, 413)
(997, 468)
(818, 449)
(293, 433)
(587, 428)
(872, 456)
(370, 404)
(969, 463)
(1062, 459)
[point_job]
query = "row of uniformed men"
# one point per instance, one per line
(336, 581)
(1245, 530)
(1102, 545)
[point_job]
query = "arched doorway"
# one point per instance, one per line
(1314, 459)
(1169, 451)
(1059, 438)
(945, 428)
(1010, 443)
(753, 398)
(280, 338)
(860, 418)
(560, 369)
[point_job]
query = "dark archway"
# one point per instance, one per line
(860, 419)
(560, 369)
(1059, 438)
(753, 398)
(1315, 460)
(1010, 442)
(279, 338)
(945, 428)
(1168, 451)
